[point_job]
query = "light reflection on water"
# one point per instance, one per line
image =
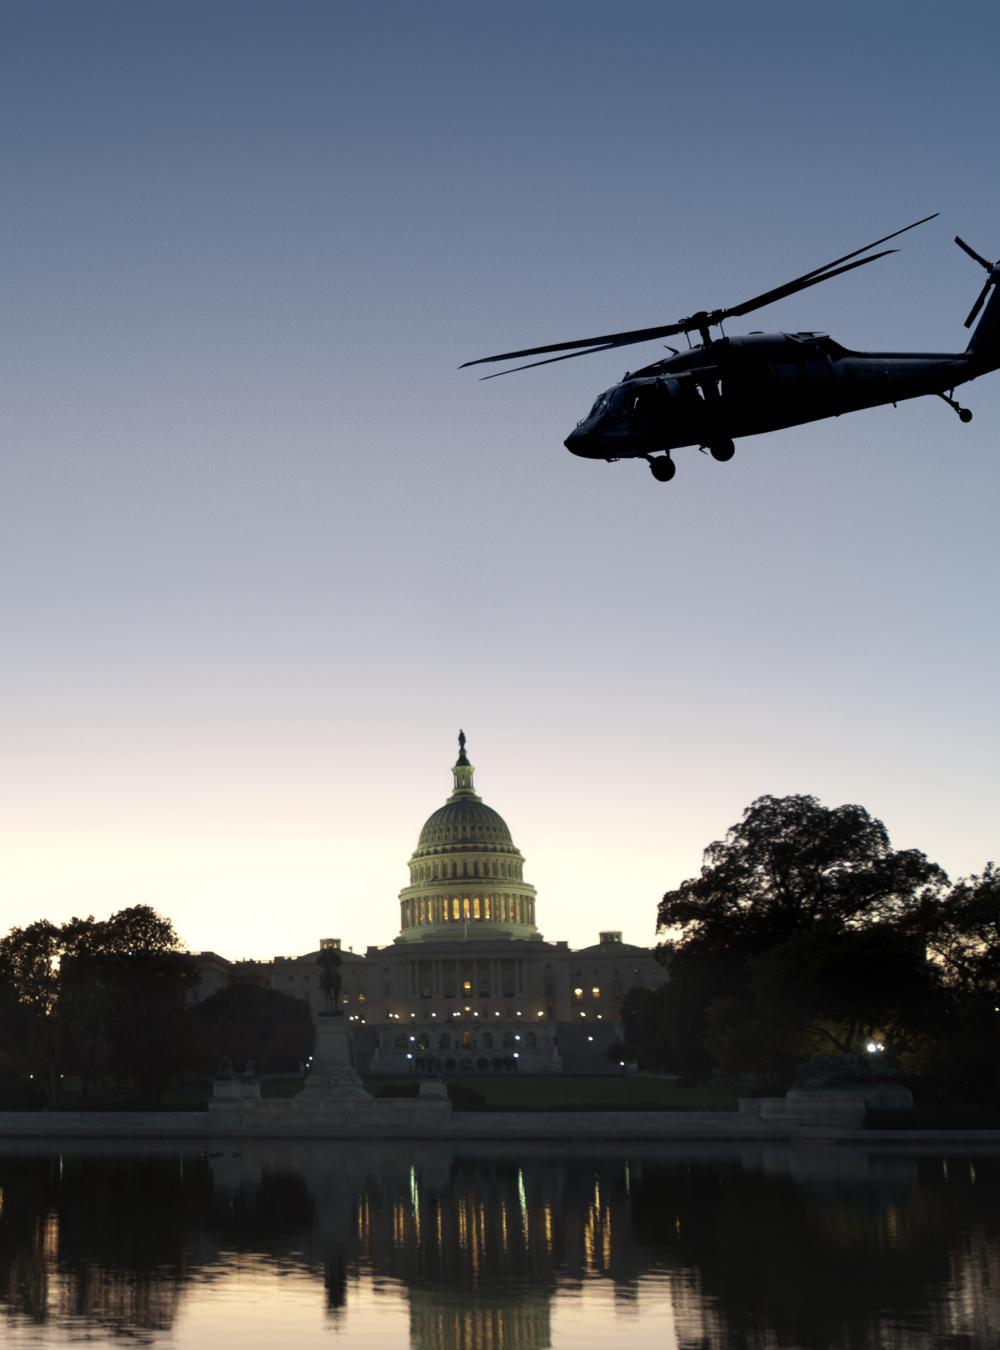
(476, 1247)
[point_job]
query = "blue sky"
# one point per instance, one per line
(264, 549)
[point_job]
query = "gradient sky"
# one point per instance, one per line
(264, 549)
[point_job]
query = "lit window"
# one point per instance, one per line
(596, 991)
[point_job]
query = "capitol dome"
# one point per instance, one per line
(463, 821)
(466, 875)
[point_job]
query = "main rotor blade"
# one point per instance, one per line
(973, 254)
(581, 346)
(979, 302)
(547, 362)
(607, 340)
(830, 269)
(799, 284)
(874, 244)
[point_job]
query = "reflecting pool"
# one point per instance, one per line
(475, 1247)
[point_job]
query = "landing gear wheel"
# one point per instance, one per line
(662, 469)
(722, 451)
(964, 414)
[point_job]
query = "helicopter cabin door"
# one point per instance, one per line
(804, 381)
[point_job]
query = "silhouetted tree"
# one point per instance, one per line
(789, 862)
(29, 965)
(246, 1022)
(99, 993)
(963, 936)
(142, 979)
(838, 988)
(765, 949)
(29, 973)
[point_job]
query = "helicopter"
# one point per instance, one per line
(725, 387)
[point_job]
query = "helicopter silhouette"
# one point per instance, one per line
(726, 387)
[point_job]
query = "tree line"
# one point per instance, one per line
(804, 934)
(97, 1011)
(807, 934)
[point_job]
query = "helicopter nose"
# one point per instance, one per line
(579, 442)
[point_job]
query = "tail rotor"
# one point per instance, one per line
(992, 278)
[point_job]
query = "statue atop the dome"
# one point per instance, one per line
(462, 757)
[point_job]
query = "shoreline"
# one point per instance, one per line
(549, 1126)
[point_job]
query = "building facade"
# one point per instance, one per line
(470, 985)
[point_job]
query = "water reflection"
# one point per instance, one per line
(742, 1247)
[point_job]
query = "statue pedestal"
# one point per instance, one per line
(332, 1077)
(236, 1090)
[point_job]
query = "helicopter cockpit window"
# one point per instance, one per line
(599, 405)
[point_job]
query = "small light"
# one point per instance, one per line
(519, 1012)
(516, 1055)
(413, 1014)
(413, 1038)
(517, 1036)
(496, 1014)
(583, 1014)
(599, 1016)
(541, 1014)
(475, 1014)
(621, 1064)
(590, 1038)
(408, 1055)
(434, 1014)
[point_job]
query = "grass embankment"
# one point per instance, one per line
(632, 1092)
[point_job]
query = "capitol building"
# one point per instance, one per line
(469, 985)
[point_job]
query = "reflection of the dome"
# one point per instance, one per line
(757, 1245)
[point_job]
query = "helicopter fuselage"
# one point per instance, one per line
(742, 386)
